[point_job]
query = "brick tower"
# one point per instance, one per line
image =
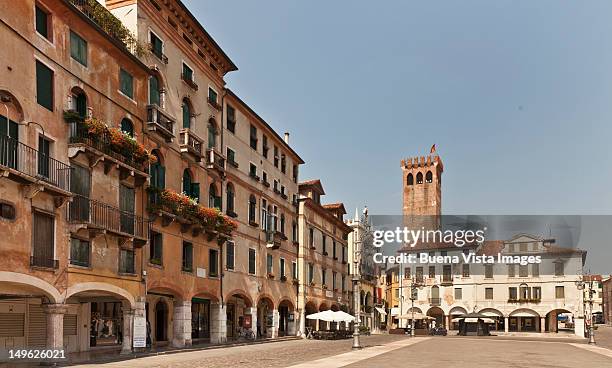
(422, 184)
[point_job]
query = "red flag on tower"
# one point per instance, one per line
(433, 148)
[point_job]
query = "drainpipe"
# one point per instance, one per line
(221, 266)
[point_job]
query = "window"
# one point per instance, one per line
(253, 137)
(187, 73)
(187, 257)
(126, 83)
(535, 270)
(295, 173)
(44, 86)
(126, 261)
(214, 201)
(282, 267)
(432, 272)
(264, 215)
(212, 134)
(154, 91)
(231, 119)
(559, 292)
(343, 283)
(334, 250)
(127, 127)
(190, 188)
(230, 196)
(252, 209)
(251, 261)
(186, 109)
(43, 242)
(264, 178)
(343, 254)
(311, 237)
(419, 274)
(407, 272)
(410, 179)
(466, 270)
(511, 271)
(212, 95)
(523, 270)
(156, 250)
(213, 262)
(488, 271)
(231, 156)
(283, 163)
(157, 46)
(324, 245)
(334, 275)
(43, 23)
(265, 147)
(447, 273)
(294, 231)
(79, 252)
(428, 177)
(419, 178)
(276, 158)
(310, 273)
(458, 294)
(44, 156)
(282, 223)
(269, 263)
(78, 48)
(525, 293)
(523, 247)
(324, 277)
(294, 270)
(536, 293)
(512, 293)
(252, 170)
(230, 248)
(559, 268)
(489, 293)
(7, 211)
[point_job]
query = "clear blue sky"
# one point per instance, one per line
(517, 95)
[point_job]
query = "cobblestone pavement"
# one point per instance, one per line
(440, 352)
(278, 354)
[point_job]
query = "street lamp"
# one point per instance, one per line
(415, 285)
(581, 285)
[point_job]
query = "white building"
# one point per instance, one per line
(519, 298)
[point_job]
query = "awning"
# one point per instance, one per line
(381, 311)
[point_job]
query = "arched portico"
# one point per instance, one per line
(524, 320)
(14, 283)
(286, 326)
(240, 313)
(558, 320)
(267, 317)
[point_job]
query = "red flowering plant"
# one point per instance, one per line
(118, 141)
(179, 204)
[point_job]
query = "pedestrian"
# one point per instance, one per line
(149, 342)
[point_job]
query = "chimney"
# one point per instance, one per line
(287, 137)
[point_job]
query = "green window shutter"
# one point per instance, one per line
(162, 177)
(126, 83)
(186, 115)
(44, 86)
(154, 98)
(78, 48)
(42, 22)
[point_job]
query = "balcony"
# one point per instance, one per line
(274, 239)
(215, 161)
(435, 301)
(100, 150)
(37, 171)
(447, 280)
(190, 144)
(190, 82)
(160, 122)
(100, 218)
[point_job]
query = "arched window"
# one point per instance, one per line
(214, 201)
(158, 177)
(252, 209)
(186, 114)
(435, 293)
(154, 91)
(127, 127)
(410, 179)
(212, 133)
(420, 178)
(428, 177)
(189, 187)
(79, 102)
(231, 195)
(294, 231)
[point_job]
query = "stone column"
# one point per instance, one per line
(302, 331)
(506, 324)
(275, 323)
(218, 323)
(291, 331)
(448, 322)
(55, 325)
(128, 325)
(181, 324)
(518, 323)
(542, 324)
(254, 316)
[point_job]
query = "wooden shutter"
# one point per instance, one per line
(41, 22)
(126, 205)
(44, 86)
(154, 91)
(195, 191)
(37, 327)
(43, 240)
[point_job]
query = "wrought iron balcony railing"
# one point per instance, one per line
(160, 122)
(33, 163)
(106, 217)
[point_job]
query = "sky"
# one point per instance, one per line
(517, 96)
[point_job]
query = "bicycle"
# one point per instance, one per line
(246, 333)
